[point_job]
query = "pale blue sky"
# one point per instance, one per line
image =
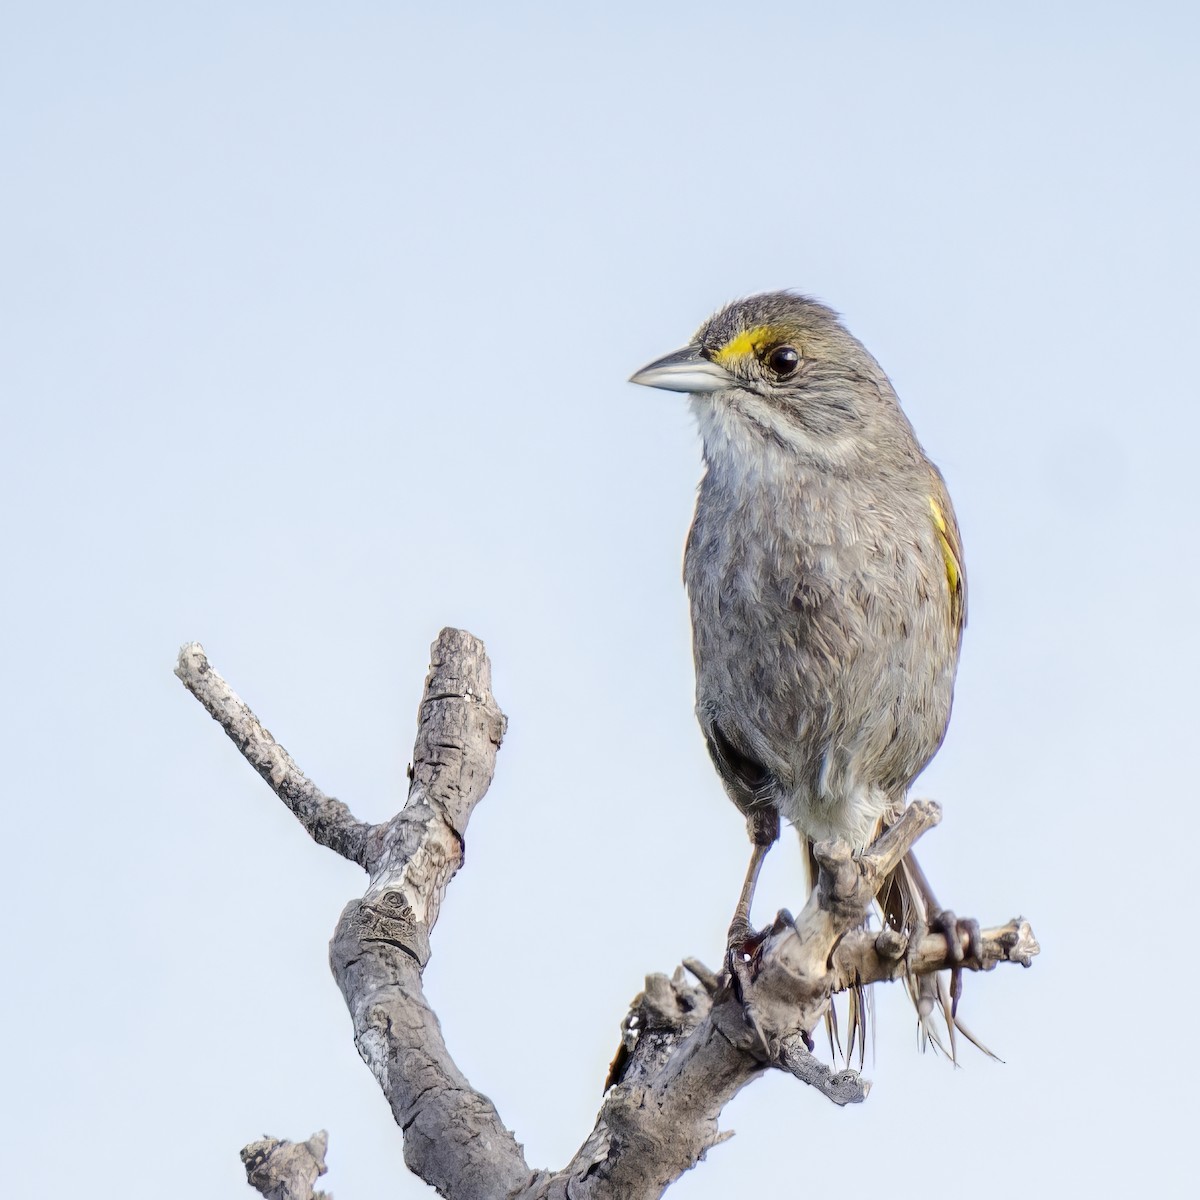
(315, 323)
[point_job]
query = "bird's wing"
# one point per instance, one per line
(950, 543)
(746, 779)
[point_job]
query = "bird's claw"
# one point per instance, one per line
(742, 952)
(954, 930)
(742, 947)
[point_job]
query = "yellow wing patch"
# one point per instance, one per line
(947, 537)
(749, 343)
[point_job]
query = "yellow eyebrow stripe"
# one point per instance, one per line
(748, 343)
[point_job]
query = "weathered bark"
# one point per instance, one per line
(286, 1170)
(687, 1048)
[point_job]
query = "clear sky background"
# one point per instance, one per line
(315, 322)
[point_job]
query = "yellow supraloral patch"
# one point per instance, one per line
(752, 342)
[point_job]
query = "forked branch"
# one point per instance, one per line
(687, 1048)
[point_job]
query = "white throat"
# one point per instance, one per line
(755, 439)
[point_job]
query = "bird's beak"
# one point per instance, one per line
(686, 370)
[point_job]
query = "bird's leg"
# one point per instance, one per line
(942, 920)
(763, 827)
(743, 943)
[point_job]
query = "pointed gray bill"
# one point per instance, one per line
(686, 370)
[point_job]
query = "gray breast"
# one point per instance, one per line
(821, 644)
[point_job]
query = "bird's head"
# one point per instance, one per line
(779, 369)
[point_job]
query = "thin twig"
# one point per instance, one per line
(328, 821)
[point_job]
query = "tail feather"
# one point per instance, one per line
(907, 904)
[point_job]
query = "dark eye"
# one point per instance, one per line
(783, 360)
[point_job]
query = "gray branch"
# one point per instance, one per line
(687, 1049)
(328, 821)
(286, 1170)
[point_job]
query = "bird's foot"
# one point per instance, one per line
(742, 950)
(743, 957)
(954, 931)
(742, 947)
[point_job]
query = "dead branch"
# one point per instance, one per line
(286, 1170)
(686, 1049)
(328, 821)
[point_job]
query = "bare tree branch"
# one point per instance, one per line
(686, 1049)
(286, 1170)
(453, 1137)
(328, 821)
(859, 956)
(842, 1087)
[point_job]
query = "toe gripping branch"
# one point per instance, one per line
(777, 996)
(764, 1008)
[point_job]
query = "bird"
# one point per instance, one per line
(828, 596)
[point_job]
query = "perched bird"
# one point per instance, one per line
(825, 576)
